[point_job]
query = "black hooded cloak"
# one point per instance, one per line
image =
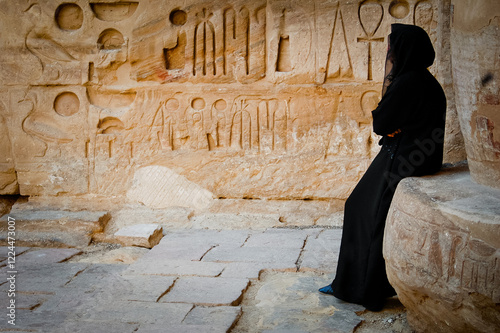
(410, 118)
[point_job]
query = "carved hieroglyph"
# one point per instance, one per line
(259, 99)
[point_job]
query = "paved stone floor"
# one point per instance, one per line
(193, 281)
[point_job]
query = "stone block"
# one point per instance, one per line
(277, 238)
(252, 270)
(144, 235)
(290, 213)
(207, 291)
(327, 239)
(147, 328)
(168, 218)
(221, 316)
(285, 330)
(335, 220)
(111, 326)
(321, 252)
(152, 313)
(194, 252)
(27, 301)
(45, 256)
(122, 255)
(175, 268)
(318, 261)
(204, 237)
(253, 254)
(45, 279)
(235, 221)
(242, 270)
(190, 245)
(4, 251)
(100, 293)
(94, 287)
(30, 321)
(103, 269)
(54, 228)
(290, 302)
(441, 248)
(145, 288)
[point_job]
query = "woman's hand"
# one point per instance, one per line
(393, 134)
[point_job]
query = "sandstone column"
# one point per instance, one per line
(441, 243)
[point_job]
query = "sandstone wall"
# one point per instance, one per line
(237, 99)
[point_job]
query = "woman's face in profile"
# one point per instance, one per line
(390, 56)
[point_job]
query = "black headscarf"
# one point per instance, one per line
(412, 98)
(410, 48)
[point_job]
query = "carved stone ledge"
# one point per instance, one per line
(442, 251)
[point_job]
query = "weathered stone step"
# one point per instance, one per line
(54, 228)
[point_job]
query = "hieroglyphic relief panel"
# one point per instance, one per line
(214, 42)
(453, 258)
(153, 79)
(174, 121)
(48, 129)
(243, 42)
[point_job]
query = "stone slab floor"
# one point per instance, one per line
(193, 281)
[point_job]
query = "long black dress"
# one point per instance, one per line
(411, 119)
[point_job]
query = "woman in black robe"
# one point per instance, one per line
(410, 118)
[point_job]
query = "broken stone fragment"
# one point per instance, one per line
(144, 235)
